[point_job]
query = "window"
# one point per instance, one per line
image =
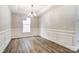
(26, 24)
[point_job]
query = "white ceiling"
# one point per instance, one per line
(25, 9)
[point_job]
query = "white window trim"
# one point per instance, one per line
(29, 30)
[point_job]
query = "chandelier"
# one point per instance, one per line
(32, 12)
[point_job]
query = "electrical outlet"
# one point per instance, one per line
(78, 41)
(78, 20)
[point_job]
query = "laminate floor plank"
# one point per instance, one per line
(35, 44)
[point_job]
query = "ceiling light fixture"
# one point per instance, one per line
(32, 12)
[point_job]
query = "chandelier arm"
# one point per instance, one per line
(32, 13)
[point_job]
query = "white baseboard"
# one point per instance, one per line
(67, 46)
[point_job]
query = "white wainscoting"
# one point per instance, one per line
(62, 37)
(18, 32)
(5, 38)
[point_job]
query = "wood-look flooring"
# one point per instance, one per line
(35, 44)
